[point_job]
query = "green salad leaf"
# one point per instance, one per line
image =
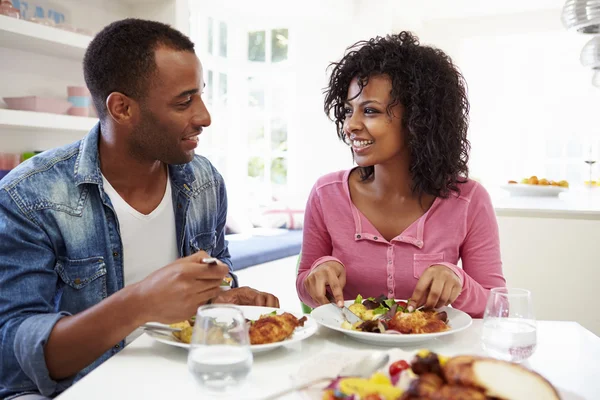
(389, 302)
(380, 310)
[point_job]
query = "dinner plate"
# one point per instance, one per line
(252, 313)
(330, 316)
(521, 190)
(330, 364)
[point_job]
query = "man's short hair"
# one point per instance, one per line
(121, 58)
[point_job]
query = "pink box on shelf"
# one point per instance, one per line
(38, 104)
(79, 111)
(78, 91)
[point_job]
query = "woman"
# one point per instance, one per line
(399, 222)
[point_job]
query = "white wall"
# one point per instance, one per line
(557, 259)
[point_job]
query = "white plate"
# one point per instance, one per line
(252, 312)
(330, 316)
(330, 364)
(520, 189)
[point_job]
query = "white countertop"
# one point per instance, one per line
(567, 355)
(577, 203)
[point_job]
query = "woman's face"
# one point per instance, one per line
(376, 136)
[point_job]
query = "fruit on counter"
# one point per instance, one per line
(533, 180)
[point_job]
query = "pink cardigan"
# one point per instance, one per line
(460, 227)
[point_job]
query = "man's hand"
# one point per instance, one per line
(171, 294)
(175, 292)
(246, 296)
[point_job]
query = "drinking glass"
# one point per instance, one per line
(220, 358)
(509, 327)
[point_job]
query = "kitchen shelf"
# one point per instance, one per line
(29, 36)
(15, 119)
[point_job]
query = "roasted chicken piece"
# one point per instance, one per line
(429, 363)
(450, 392)
(425, 386)
(274, 328)
(419, 322)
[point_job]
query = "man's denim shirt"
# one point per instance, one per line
(61, 251)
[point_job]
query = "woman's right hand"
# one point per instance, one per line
(330, 273)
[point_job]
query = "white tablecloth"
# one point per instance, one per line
(568, 355)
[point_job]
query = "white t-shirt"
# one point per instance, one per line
(149, 241)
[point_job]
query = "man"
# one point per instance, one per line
(91, 234)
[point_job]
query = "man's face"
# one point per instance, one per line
(173, 113)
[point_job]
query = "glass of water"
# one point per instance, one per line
(220, 357)
(509, 327)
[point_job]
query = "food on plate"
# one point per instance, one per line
(274, 328)
(383, 315)
(185, 335)
(433, 377)
(533, 180)
(269, 328)
(226, 283)
(490, 377)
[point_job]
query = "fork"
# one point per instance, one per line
(159, 328)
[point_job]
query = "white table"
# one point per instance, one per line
(568, 355)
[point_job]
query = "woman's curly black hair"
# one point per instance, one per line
(436, 110)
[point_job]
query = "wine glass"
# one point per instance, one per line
(220, 358)
(591, 160)
(509, 327)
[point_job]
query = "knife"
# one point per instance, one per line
(346, 313)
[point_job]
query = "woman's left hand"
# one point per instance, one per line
(437, 287)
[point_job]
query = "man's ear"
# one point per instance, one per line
(122, 108)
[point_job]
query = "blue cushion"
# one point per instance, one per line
(254, 250)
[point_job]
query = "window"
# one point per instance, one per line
(223, 88)
(279, 45)
(249, 89)
(210, 35)
(223, 39)
(256, 46)
(268, 99)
